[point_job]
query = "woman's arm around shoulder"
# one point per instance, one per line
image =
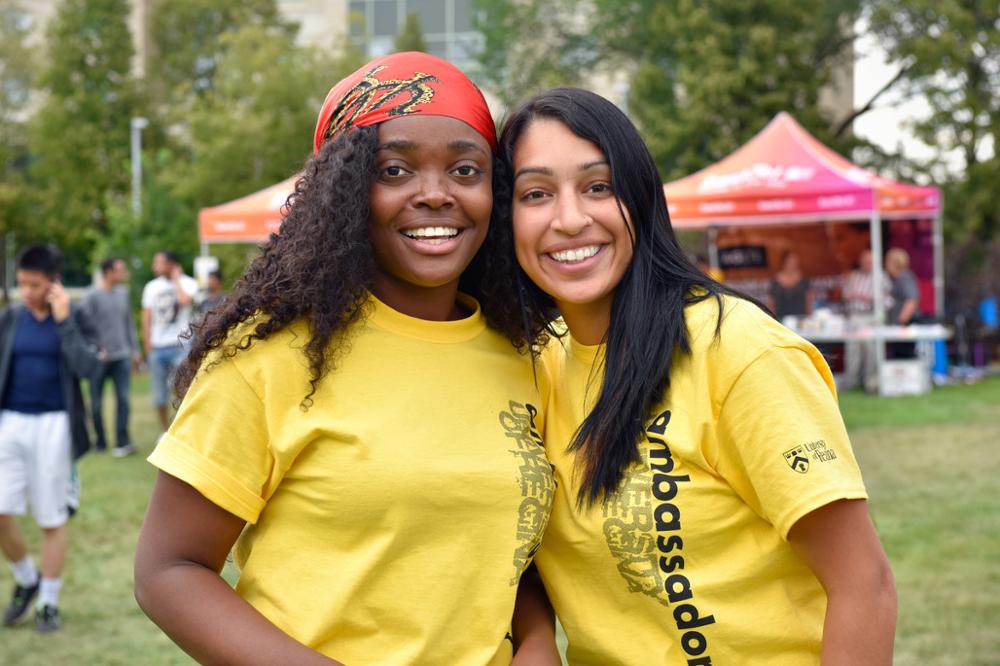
(183, 546)
(839, 543)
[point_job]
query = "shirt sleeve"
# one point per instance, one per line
(189, 285)
(782, 442)
(910, 289)
(219, 442)
(147, 295)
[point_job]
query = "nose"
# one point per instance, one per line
(433, 192)
(570, 218)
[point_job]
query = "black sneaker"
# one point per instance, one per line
(46, 619)
(18, 607)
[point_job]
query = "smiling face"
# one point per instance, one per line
(430, 208)
(569, 234)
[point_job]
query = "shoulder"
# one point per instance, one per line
(736, 331)
(151, 286)
(9, 315)
(189, 283)
(256, 359)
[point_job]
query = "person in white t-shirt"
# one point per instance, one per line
(167, 304)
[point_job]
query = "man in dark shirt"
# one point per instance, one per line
(904, 300)
(905, 293)
(43, 353)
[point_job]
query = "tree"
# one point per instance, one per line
(950, 53)
(16, 80)
(531, 45)
(186, 45)
(16, 73)
(710, 75)
(79, 138)
(411, 37)
(251, 129)
(703, 76)
(255, 126)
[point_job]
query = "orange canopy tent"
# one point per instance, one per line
(249, 219)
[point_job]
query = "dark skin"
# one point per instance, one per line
(183, 546)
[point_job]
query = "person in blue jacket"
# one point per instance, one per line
(43, 355)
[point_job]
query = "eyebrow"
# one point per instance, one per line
(398, 144)
(545, 171)
(461, 145)
(403, 145)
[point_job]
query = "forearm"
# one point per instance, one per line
(859, 630)
(146, 334)
(839, 543)
(533, 625)
(183, 297)
(204, 616)
(907, 311)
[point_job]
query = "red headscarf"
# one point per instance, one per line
(401, 84)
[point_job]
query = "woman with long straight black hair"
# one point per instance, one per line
(708, 508)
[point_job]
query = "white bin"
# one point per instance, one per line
(905, 377)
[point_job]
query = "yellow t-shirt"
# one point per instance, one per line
(391, 521)
(689, 563)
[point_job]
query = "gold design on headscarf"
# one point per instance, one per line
(364, 98)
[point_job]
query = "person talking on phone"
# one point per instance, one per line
(43, 355)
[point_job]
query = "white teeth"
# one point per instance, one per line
(443, 233)
(577, 255)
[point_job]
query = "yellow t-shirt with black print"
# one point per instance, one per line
(389, 523)
(689, 563)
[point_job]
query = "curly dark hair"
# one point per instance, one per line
(319, 267)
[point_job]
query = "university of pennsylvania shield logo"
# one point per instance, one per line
(797, 459)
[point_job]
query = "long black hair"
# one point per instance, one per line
(319, 268)
(647, 316)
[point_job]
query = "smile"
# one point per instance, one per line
(575, 255)
(432, 235)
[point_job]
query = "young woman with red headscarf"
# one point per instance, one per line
(350, 422)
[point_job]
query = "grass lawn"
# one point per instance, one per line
(932, 465)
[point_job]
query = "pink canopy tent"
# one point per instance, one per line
(784, 175)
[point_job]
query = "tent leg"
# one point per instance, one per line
(938, 267)
(713, 248)
(878, 296)
(204, 249)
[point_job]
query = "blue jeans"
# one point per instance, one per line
(162, 363)
(120, 374)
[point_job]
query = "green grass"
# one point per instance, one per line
(932, 465)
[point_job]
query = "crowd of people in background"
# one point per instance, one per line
(48, 349)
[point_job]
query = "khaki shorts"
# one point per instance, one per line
(36, 466)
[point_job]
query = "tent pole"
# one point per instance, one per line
(878, 295)
(204, 249)
(713, 249)
(938, 266)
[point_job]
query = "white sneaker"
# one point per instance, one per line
(122, 451)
